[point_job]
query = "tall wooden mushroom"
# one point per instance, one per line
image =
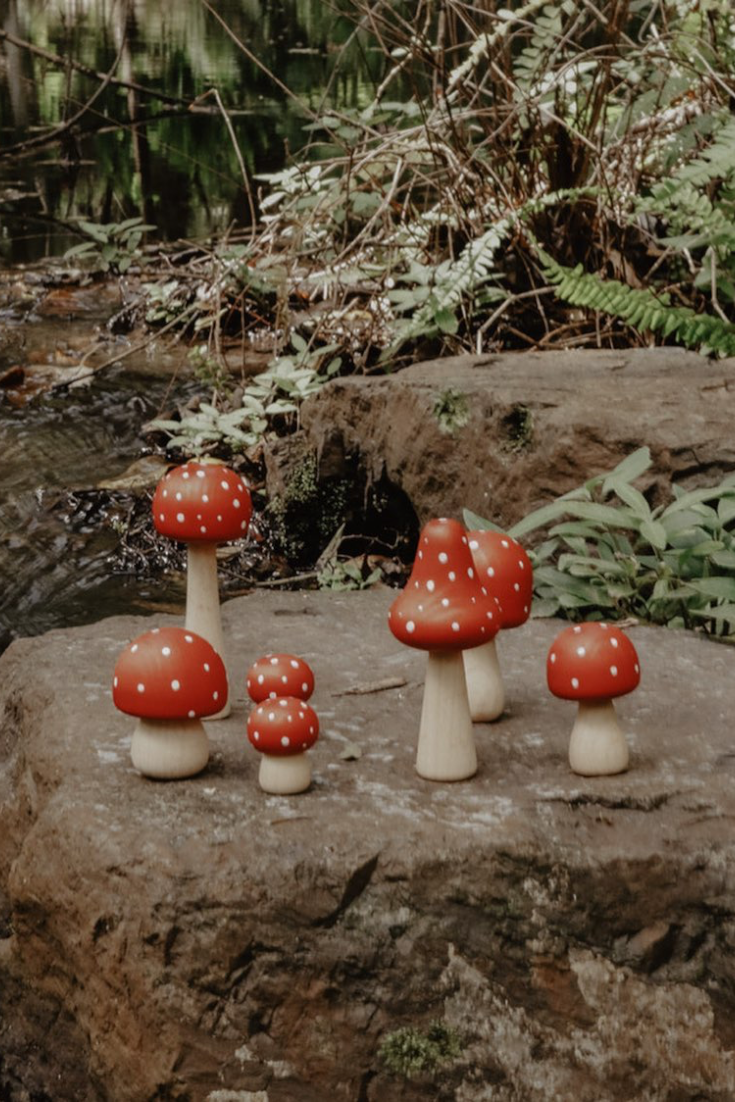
(202, 505)
(169, 678)
(505, 569)
(593, 663)
(444, 609)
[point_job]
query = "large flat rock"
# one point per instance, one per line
(536, 424)
(201, 940)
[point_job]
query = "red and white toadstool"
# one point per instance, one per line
(593, 663)
(505, 569)
(202, 504)
(444, 609)
(283, 730)
(276, 675)
(169, 678)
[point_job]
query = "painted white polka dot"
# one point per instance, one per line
(165, 493)
(180, 517)
(452, 576)
(256, 736)
(285, 740)
(191, 714)
(224, 484)
(115, 682)
(637, 668)
(205, 498)
(304, 687)
(613, 641)
(189, 638)
(203, 530)
(175, 685)
(443, 557)
(272, 694)
(134, 648)
(236, 503)
(474, 545)
(219, 517)
(577, 629)
(179, 496)
(614, 671)
(455, 625)
(165, 651)
(294, 664)
(271, 716)
(161, 517)
(284, 678)
(261, 678)
(521, 564)
(431, 586)
(215, 696)
(470, 572)
(581, 651)
(445, 602)
(517, 587)
(206, 669)
(504, 543)
(410, 627)
(200, 474)
(141, 687)
(185, 474)
(552, 657)
(491, 571)
(243, 525)
(575, 682)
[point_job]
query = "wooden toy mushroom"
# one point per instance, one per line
(505, 568)
(444, 609)
(593, 663)
(169, 678)
(276, 675)
(202, 504)
(283, 730)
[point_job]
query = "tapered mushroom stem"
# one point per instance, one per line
(203, 614)
(446, 745)
(597, 746)
(283, 776)
(169, 748)
(485, 690)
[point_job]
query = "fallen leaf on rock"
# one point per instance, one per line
(351, 752)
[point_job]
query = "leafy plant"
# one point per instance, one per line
(607, 553)
(111, 247)
(342, 576)
(452, 410)
(410, 1052)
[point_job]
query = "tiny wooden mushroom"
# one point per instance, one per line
(282, 730)
(276, 675)
(444, 609)
(169, 678)
(505, 568)
(202, 505)
(593, 663)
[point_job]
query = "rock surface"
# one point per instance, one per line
(199, 940)
(537, 425)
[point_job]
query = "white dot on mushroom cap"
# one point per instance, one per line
(420, 608)
(114, 682)
(200, 474)
(464, 539)
(604, 627)
(577, 629)
(191, 714)
(165, 493)
(410, 627)
(489, 615)
(271, 715)
(134, 648)
(219, 517)
(504, 543)
(284, 678)
(294, 664)
(215, 696)
(179, 495)
(161, 517)
(141, 687)
(203, 530)
(205, 498)
(420, 555)
(613, 641)
(552, 657)
(431, 586)
(224, 484)
(185, 474)
(304, 687)
(470, 572)
(637, 668)
(261, 678)
(416, 585)
(575, 682)
(272, 694)
(256, 735)
(285, 741)
(455, 625)
(445, 602)
(175, 685)
(206, 669)
(581, 652)
(521, 564)
(189, 638)
(525, 608)
(517, 587)
(243, 525)
(474, 545)
(180, 517)
(289, 719)
(614, 671)
(165, 651)
(443, 556)
(491, 571)
(273, 661)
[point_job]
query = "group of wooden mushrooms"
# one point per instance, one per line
(464, 588)
(171, 678)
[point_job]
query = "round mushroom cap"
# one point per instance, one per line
(444, 605)
(276, 675)
(202, 503)
(506, 570)
(169, 673)
(593, 661)
(284, 726)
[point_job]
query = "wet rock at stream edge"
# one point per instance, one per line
(561, 937)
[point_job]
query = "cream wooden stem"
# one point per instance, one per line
(203, 614)
(485, 690)
(169, 749)
(597, 746)
(446, 746)
(283, 776)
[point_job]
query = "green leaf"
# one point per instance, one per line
(721, 588)
(726, 508)
(539, 518)
(655, 533)
(603, 514)
(446, 320)
(632, 467)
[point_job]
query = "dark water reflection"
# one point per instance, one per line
(132, 153)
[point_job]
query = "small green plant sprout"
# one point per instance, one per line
(605, 553)
(411, 1052)
(340, 576)
(111, 247)
(452, 410)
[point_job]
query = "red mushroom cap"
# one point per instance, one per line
(506, 570)
(593, 661)
(444, 605)
(276, 675)
(284, 726)
(169, 673)
(202, 503)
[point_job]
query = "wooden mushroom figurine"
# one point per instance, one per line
(282, 730)
(276, 675)
(444, 609)
(505, 569)
(169, 678)
(202, 504)
(593, 663)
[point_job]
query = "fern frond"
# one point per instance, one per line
(714, 163)
(484, 43)
(641, 309)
